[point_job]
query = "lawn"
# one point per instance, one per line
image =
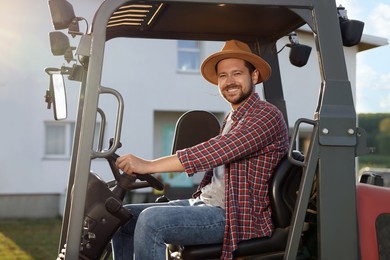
(27, 239)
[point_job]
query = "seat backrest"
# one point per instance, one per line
(194, 127)
(284, 186)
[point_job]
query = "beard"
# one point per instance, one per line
(239, 97)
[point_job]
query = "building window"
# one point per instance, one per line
(164, 129)
(188, 56)
(58, 139)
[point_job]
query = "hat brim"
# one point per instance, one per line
(208, 68)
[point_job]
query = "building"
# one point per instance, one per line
(158, 79)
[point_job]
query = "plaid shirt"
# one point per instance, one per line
(255, 144)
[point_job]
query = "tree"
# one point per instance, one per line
(377, 127)
(370, 123)
(384, 125)
(383, 138)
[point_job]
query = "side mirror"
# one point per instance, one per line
(56, 95)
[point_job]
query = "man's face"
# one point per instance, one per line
(235, 82)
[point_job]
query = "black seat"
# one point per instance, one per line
(194, 127)
(284, 186)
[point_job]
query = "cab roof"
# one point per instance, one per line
(204, 21)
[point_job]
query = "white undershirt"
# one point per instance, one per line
(214, 193)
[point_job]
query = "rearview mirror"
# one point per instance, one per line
(57, 88)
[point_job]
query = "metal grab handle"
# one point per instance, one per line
(294, 136)
(102, 128)
(118, 125)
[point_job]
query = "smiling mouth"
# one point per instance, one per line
(232, 89)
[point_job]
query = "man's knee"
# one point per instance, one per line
(149, 218)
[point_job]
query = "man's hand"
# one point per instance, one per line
(132, 164)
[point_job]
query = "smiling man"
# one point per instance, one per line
(231, 203)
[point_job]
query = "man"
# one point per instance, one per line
(231, 203)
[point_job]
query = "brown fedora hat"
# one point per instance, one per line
(234, 49)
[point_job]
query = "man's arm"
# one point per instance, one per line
(132, 164)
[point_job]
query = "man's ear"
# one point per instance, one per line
(255, 76)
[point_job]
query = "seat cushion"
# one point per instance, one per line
(257, 246)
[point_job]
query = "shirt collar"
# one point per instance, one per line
(243, 108)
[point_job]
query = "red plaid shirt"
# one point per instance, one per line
(250, 151)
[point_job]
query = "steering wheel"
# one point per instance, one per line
(153, 181)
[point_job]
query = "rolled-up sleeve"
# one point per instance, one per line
(188, 164)
(199, 158)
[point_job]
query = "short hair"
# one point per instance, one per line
(250, 66)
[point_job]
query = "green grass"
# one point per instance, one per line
(10, 251)
(27, 239)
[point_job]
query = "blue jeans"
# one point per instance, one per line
(179, 222)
